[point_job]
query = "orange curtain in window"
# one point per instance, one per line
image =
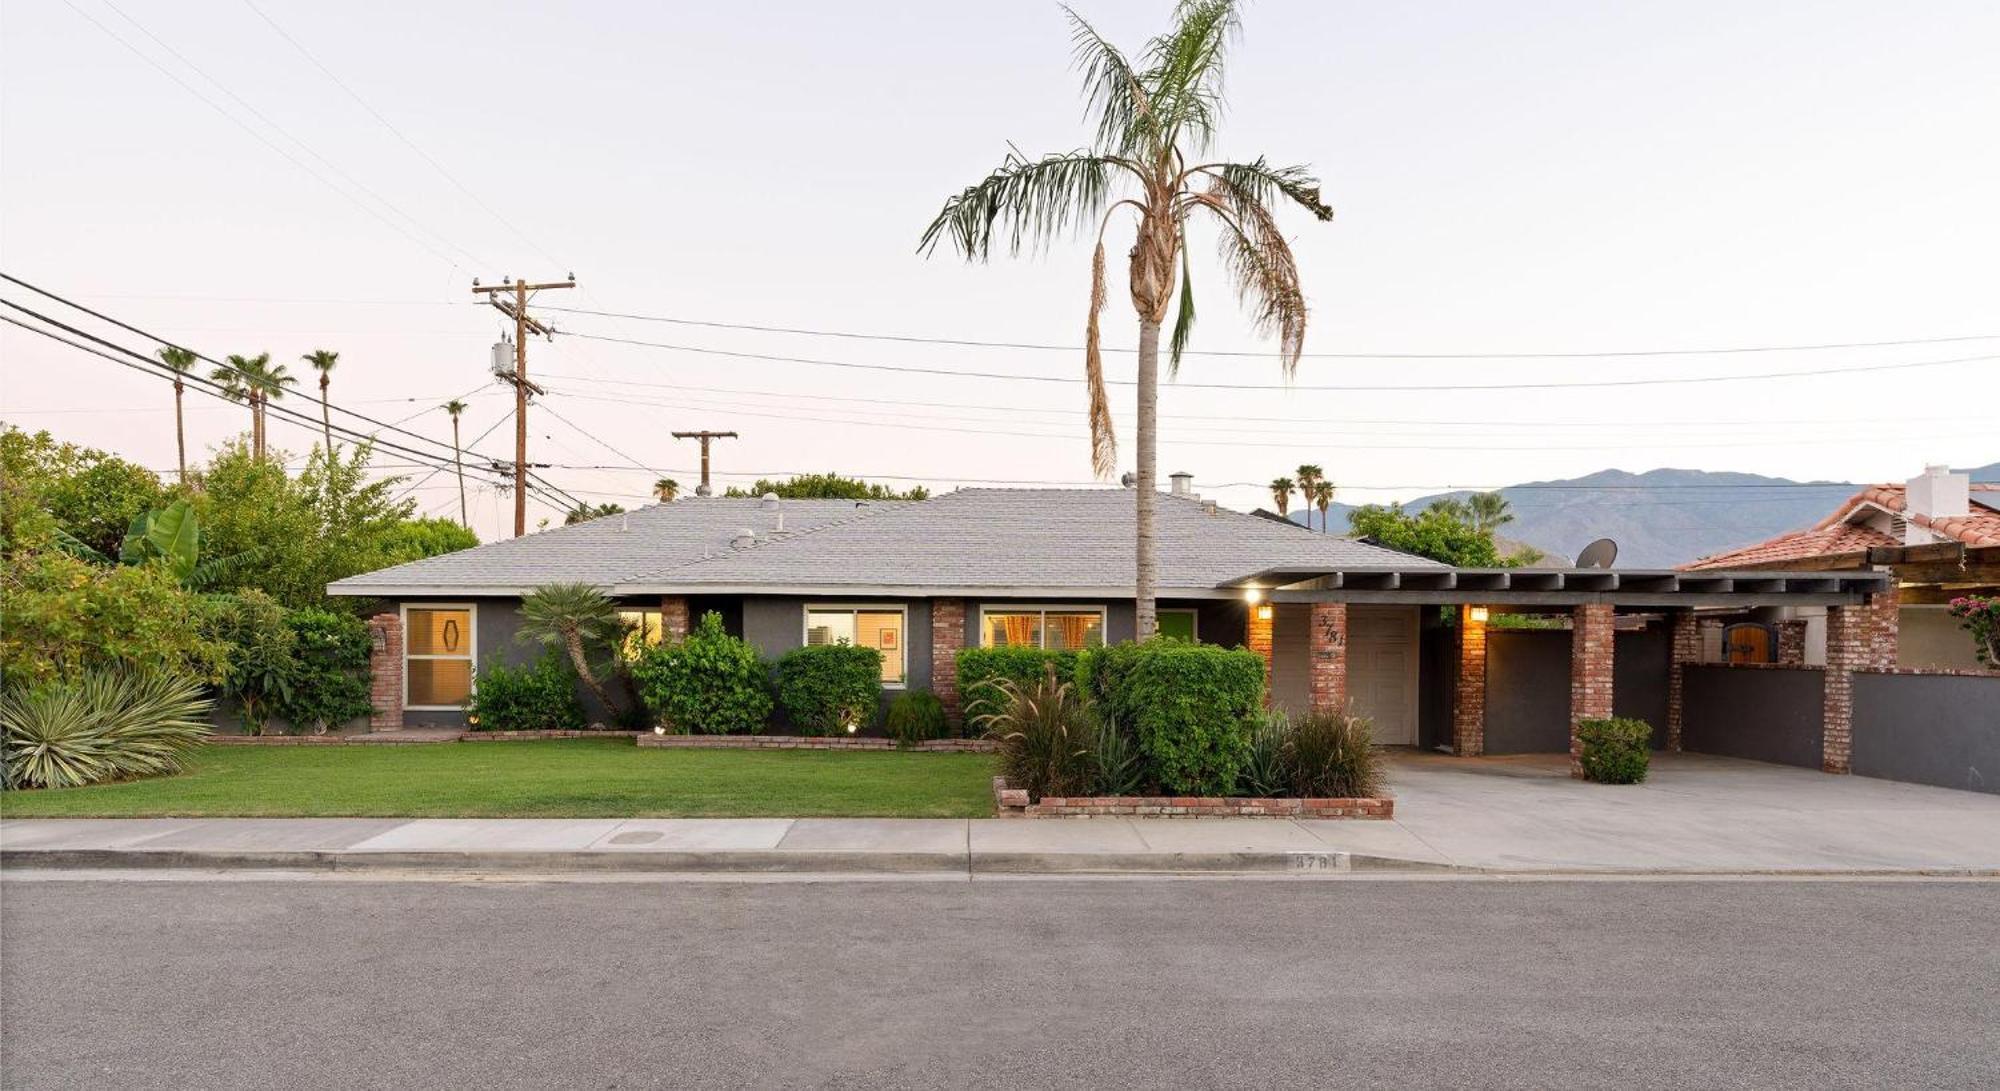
(1020, 629)
(1075, 630)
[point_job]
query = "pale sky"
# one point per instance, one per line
(1517, 178)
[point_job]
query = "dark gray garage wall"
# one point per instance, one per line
(1929, 729)
(1527, 691)
(1761, 713)
(1639, 678)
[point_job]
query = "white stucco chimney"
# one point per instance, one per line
(1938, 493)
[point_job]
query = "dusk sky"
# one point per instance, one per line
(1507, 179)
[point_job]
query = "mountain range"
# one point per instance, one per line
(1659, 518)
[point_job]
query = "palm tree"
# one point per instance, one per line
(456, 407)
(1322, 499)
(666, 489)
(271, 384)
(1281, 494)
(236, 381)
(573, 618)
(1154, 119)
(1488, 511)
(323, 361)
(181, 361)
(1309, 477)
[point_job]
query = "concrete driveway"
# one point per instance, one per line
(1694, 813)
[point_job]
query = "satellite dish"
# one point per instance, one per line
(1598, 554)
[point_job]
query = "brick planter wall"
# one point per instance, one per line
(947, 640)
(556, 733)
(806, 742)
(1013, 803)
(385, 672)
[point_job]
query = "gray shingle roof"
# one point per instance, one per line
(1041, 539)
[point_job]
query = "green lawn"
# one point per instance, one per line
(570, 778)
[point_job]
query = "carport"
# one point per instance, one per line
(1439, 658)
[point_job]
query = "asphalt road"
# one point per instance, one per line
(1016, 984)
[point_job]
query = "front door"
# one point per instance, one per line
(1382, 670)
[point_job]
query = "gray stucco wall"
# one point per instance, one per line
(1928, 729)
(1765, 714)
(1527, 691)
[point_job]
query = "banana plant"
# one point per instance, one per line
(173, 535)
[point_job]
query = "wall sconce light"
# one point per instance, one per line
(1253, 595)
(853, 727)
(1478, 615)
(1264, 612)
(659, 729)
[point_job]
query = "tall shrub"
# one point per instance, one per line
(1191, 707)
(980, 668)
(330, 673)
(826, 688)
(538, 697)
(916, 716)
(263, 659)
(710, 682)
(1613, 751)
(1045, 736)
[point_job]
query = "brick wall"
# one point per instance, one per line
(1592, 643)
(1257, 636)
(1328, 655)
(673, 617)
(947, 640)
(1858, 638)
(1468, 714)
(1792, 643)
(385, 672)
(1686, 649)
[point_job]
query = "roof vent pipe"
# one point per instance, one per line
(769, 501)
(1183, 483)
(624, 521)
(745, 538)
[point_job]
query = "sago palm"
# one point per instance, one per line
(181, 361)
(455, 407)
(1156, 117)
(323, 361)
(1281, 494)
(1309, 477)
(575, 619)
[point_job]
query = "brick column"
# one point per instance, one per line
(385, 672)
(947, 639)
(1468, 714)
(1686, 650)
(1859, 637)
(1591, 643)
(1328, 656)
(1257, 636)
(1792, 643)
(673, 618)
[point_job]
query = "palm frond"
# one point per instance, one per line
(1262, 183)
(1185, 68)
(1126, 123)
(1032, 203)
(1103, 441)
(1260, 260)
(1184, 321)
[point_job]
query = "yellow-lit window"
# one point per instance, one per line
(438, 650)
(643, 629)
(877, 627)
(1054, 628)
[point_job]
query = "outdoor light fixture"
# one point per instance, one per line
(1253, 594)
(1479, 614)
(1264, 612)
(659, 729)
(852, 727)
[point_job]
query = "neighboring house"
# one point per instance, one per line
(1939, 533)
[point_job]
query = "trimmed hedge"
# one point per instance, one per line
(538, 697)
(1192, 708)
(1614, 751)
(980, 668)
(824, 688)
(709, 682)
(916, 716)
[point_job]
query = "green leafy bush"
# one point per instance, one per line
(104, 725)
(826, 688)
(540, 696)
(1045, 735)
(263, 661)
(1614, 750)
(710, 682)
(64, 616)
(1023, 666)
(1191, 708)
(916, 716)
(330, 674)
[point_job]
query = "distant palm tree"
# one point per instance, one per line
(1281, 494)
(323, 361)
(576, 619)
(1488, 511)
(254, 381)
(666, 489)
(181, 361)
(1309, 476)
(456, 407)
(1322, 498)
(1156, 118)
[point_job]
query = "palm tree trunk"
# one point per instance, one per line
(180, 431)
(574, 642)
(458, 459)
(256, 426)
(326, 414)
(1145, 618)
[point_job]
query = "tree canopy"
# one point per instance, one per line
(827, 486)
(1437, 532)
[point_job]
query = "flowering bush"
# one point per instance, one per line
(1980, 615)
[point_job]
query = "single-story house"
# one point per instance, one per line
(1401, 638)
(1938, 533)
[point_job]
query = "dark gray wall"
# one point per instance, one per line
(1929, 729)
(1765, 714)
(1527, 691)
(1291, 656)
(1437, 680)
(1640, 663)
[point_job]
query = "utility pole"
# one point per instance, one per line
(517, 309)
(704, 437)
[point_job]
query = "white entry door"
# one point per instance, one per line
(1382, 670)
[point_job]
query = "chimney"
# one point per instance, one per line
(1937, 494)
(1183, 483)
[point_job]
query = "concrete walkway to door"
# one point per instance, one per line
(1694, 813)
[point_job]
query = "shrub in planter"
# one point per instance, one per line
(538, 697)
(1331, 754)
(1024, 666)
(709, 682)
(827, 688)
(916, 716)
(1614, 750)
(1045, 736)
(1191, 707)
(330, 675)
(102, 725)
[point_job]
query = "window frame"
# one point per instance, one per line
(806, 611)
(472, 658)
(1194, 619)
(1103, 617)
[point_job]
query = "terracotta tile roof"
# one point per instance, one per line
(1835, 535)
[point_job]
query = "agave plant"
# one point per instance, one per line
(106, 725)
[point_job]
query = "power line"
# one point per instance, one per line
(903, 369)
(1035, 347)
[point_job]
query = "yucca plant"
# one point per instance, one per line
(1045, 736)
(106, 725)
